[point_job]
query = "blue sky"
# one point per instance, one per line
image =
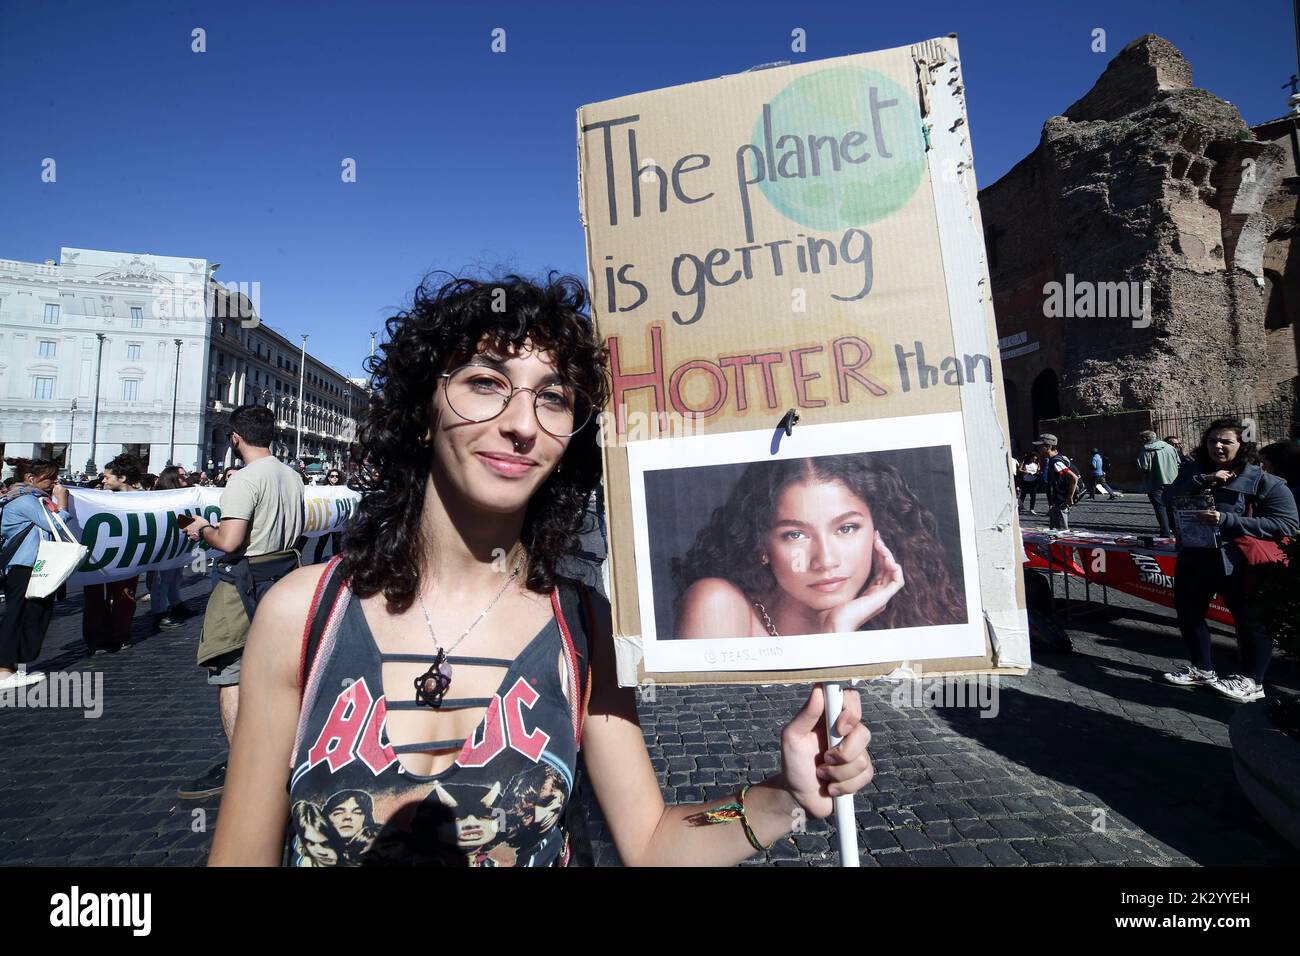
(465, 158)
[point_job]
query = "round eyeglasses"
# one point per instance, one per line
(479, 394)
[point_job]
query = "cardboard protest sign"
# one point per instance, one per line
(131, 532)
(804, 237)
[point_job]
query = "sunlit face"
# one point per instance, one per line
(497, 465)
(821, 543)
(113, 481)
(348, 818)
(318, 848)
(1222, 445)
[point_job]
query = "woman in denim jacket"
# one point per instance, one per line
(23, 527)
(1247, 501)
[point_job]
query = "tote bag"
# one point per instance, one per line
(56, 559)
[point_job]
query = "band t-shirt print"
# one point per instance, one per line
(499, 804)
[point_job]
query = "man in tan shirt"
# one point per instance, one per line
(261, 522)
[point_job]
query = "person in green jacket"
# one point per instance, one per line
(1158, 463)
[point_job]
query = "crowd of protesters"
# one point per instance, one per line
(30, 485)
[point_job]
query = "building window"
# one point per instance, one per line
(43, 386)
(48, 348)
(137, 317)
(133, 353)
(89, 306)
(130, 389)
(51, 313)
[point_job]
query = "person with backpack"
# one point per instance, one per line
(1252, 512)
(262, 518)
(23, 527)
(1061, 480)
(423, 697)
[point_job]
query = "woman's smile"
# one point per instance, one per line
(828, 585)
(506, 465)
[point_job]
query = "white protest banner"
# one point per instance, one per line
(132, 532)
(800, 239)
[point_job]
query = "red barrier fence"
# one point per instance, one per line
(1123, 562)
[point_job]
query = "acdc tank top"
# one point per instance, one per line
(501, 803)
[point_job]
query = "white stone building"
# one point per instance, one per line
(168, 351)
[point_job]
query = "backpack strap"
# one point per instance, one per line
(326, 608)
(571, 603)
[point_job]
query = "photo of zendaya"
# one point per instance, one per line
(840, 541)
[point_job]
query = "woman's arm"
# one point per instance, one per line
(255, 805)
(648, 833)
(1275, 515)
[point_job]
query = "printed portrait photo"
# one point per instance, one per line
(848, 539)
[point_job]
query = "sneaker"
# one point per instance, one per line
(208, 785)
(33, 676)
(19, 679)
(1239, 688)
(169, 623)
(1191, 676)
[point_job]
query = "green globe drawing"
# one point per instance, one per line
(831, 103)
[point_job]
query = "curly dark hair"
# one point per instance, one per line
(1246, 454)
(446, 324)
(128, 467)
(730, 545)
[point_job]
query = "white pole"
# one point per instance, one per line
(302, 378)
(846, 825)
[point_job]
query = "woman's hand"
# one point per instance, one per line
(1209, 517)
(1220, 477)
(886, 581)
(60, 496)
(815, 775)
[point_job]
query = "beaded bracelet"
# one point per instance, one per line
(736, 811)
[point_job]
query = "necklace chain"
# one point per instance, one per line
(484, 613)
(767, 621)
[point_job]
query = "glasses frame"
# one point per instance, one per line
(446, 376)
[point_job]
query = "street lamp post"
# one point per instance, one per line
(176, 385)
(91, 467)
(302, 379)
(72, 431)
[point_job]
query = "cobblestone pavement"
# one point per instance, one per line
(1088, 760)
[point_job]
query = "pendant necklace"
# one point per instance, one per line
(432, 686)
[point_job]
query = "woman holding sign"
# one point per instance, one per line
(816, 546)
(442, 665)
